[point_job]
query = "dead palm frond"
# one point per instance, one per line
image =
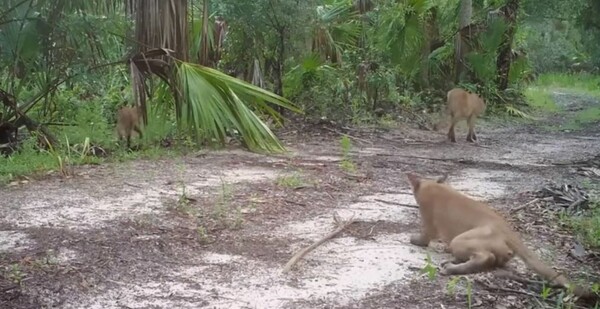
(162, 24)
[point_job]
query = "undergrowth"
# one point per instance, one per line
(539, 97)
(588, 228)
(581, 82)
(92, 130)
(583, 118)
(539, 94)
(587, 225)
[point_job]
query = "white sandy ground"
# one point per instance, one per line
(74, 208)
(342, 271)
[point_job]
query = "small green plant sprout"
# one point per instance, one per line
(238, 219)
(429, 269)
(202, 234)
(346, 164)
(453, 283)
(346, 145)
(545, 292)
(222, 206)
(293, 181)
(183, 202)
(15, 273)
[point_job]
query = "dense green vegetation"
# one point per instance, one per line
(69, 65)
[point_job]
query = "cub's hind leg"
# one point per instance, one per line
(476, 250)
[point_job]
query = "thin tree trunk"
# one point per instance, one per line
(432, 34)
(503, 62)
(203, 50)
(278, 66)
(464, 19)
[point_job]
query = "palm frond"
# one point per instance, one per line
(402, 32)
(483, 60)
(310, 68)
(335, 27)
(213, 103)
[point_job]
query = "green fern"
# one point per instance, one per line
(483, 61)
(518, 70)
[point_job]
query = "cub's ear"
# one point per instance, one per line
(414, 180)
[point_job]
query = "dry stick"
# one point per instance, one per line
(132, 185)
(505, 273)
(405, 141)
(472, 145)
(512, 211)
(358, 139)
(453, 160)
(354, 176)
(513, 291)
(396, 204)
(506, 290)
(341, 225)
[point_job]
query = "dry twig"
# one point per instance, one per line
(516, 209)
(341, 225)
(506, 290)
(396, 204)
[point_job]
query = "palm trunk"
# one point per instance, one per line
(432, 32)
(278, 66)
(158, 24)
(152, 20)
(503, 62)
(464, 19)
(204, 48)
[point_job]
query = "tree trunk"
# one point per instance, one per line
(432, 32)
(278, 66)
(503, 62)
(203, 50)
(152, 20)
(158, 24)
(464, 20)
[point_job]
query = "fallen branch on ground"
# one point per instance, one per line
(358, 139)
(506, 290)
(133, 185)
(341, 225)
(357, 177)
(396, 204)
(471, 145)
(502, 273)
(535, 200)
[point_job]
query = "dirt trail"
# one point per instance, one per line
(214, 230)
